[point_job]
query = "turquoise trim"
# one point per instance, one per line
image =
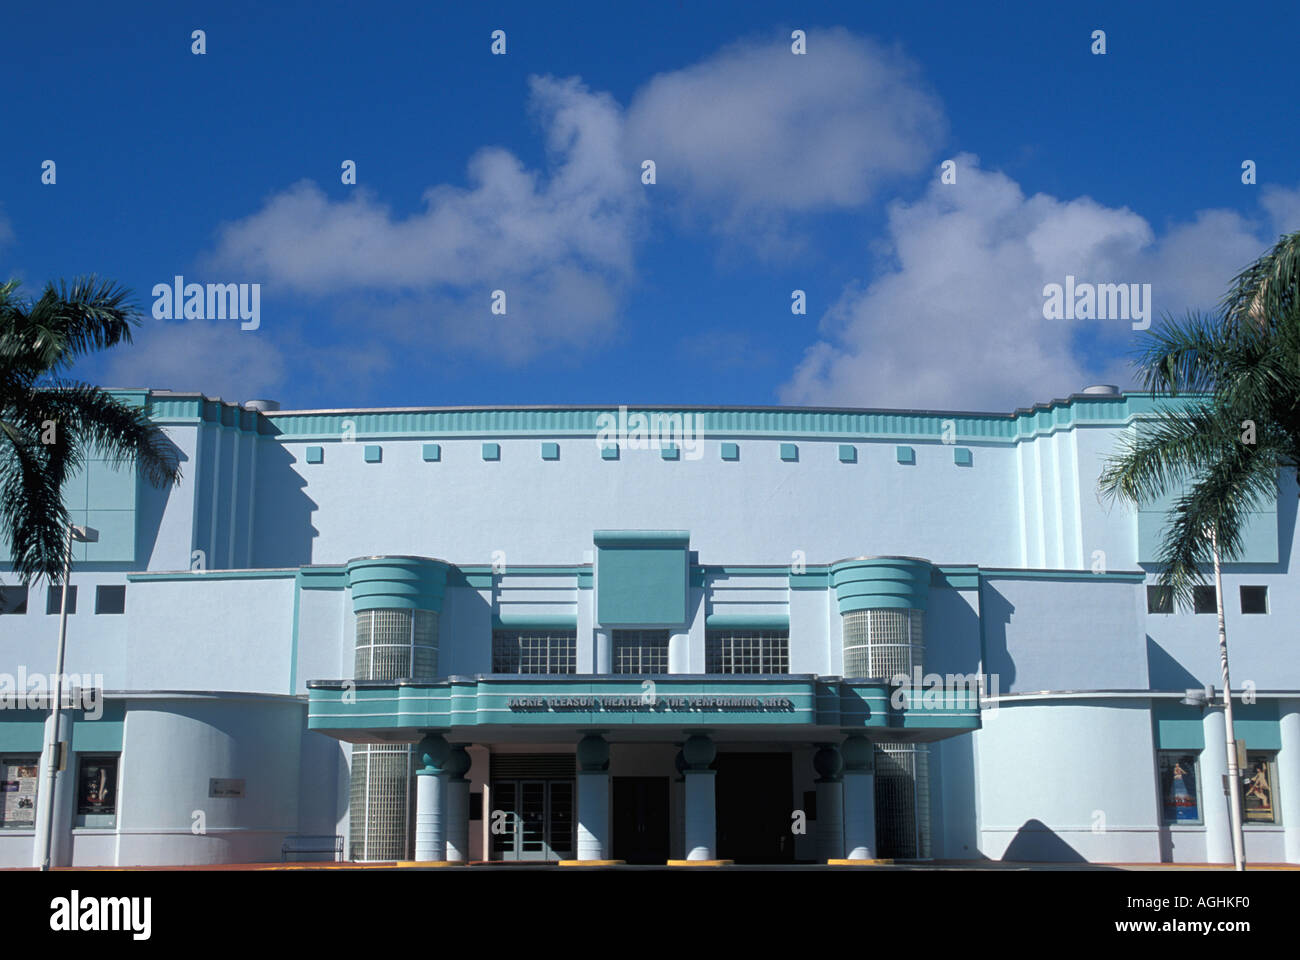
(790, 452)
(374, 453)
(956, 576)
(397, 583)
(848, 453)
(642, 577)
(1043, 419)
(405, 711)
(881, 583)
(638, 538)
(550, 451)
(586, 579)
(322, 577)
(491, 451)
(811, 579)
(905, 454)
(962, 456)
(535, 621)
(670, 452)
(609, 452)
(1177, 727)
(293, 636)
(751, 621)
(1007, 573)
(432, 453)
(278, 573)
(315, 454)
(731, 451)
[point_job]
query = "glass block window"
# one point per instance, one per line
(883, 643)
(903, 800)
(381, 797)
(1257, 787)
(1254, 599)
(396, 645)
(534, 651)
(1160, 600)
(640, 651)
(1179, 787)
(747, 651)
(1203, 600)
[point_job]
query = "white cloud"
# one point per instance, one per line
(757, 132)
(956, 321)
(215, 357)
(559, 245)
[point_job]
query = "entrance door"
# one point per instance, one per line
(754, 792)
(641, 819)
(538, 821)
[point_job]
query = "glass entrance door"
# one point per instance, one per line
(532, 819)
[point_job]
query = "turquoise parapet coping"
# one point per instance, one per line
(23, 731)
(401, 583)
(279, 573)
(734, 422)
(638, 538)
(535, 621)
(881, 582)
(404, 711)
(751, 621)
(1009, 573)
(323, 577)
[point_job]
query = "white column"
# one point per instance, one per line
(1287, 787)
(593, 816)
(431, 799)
(604, 642)
(1214, 804)
(859, 799)
(830, 802)
(593, 798)
(458, 764)
(701, 829)
(679, 653)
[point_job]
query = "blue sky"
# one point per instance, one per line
(521, 172)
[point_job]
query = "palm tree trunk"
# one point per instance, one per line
(1234, 777)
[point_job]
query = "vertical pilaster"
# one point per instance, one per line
(701, 828)
(593, 799)
(431, 760)
(830, 802)
(1214, 804)
(604, 641)
(458, 764)
(1288, 777)
(859, 798)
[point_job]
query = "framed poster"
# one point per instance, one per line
(1257, 788)
(1178, 787)
(97, 786)
(18, 780)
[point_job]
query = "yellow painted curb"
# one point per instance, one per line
(856, 863)
(700, 863)
(431, 863)
(592, 863)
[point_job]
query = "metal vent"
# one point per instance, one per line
(532, 766)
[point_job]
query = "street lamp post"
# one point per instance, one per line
(46, 838)
(1234, 774)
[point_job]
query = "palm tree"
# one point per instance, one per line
(1229, 440)
(48, 424)
(1238, 422)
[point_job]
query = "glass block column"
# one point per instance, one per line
(882, 603)
(397, 601)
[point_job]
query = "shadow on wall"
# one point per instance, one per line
(282, 527)
(1035, 841)
(151, 504)
(996, 612)
(1167, 673)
